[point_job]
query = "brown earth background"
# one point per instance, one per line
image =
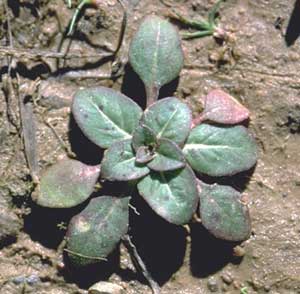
(259, 65)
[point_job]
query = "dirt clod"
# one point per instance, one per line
(10, 225)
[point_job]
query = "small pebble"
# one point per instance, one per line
(227, 278)
(212, 285)
(32, 279)
(106, 288)
(19, 280)
(238, 251)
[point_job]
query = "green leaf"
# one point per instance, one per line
(220, 151)
(223, 213)
(173, 195)
(168, 156)
(105, 116)
(155, 52)
(169, 118)
(66, 184)
(119, 163)
(143, 136)
(95, 232)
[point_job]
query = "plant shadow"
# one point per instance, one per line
(47, 225)
(238, 181)
(293, 28)
(160, 244)
(134, 88)
(86, 276)
(209, 254)
(85, 150)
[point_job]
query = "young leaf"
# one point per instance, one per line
(169, 118)
(143, 136)
(220, 151)
(105, 116)
(168, 157)
(173, 195)
(66, 184)
(119, 163)
(95, 232)
(155, 53)
(223, 213)
(222, 108)
(144, 155)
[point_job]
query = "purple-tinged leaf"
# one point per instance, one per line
(222, 108)
(223, 212)
(119, 163)
(105, 116)
(95, 232)
(144, 154)
(66, 184)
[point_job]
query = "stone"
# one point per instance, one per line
(106, 288)
(212, 285)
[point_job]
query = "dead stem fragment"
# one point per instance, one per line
(139, 264)
(29, 131)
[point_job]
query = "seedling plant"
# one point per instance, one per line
(162, 150)
(203, 27)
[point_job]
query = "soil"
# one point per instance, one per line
(259, 64)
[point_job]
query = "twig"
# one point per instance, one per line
(123, 28)
(34, 53)
(8, 86)
(139, 264)
(61, 142)
(10, 96)
(29, 133)
(9, 35)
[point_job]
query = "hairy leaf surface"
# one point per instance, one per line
(168, 156)
(155, 52)
(119, 163)
(144, 154)
(222, 108)
(220, 151)
(169, 118)
(95, 232)
(143, 136)
(105, 116)
(223, 213)
(67, 183)
(173, 195)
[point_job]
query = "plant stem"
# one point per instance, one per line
(198, 34)
(140, 265)
(214, 11)
(152, 94)
(75, 16)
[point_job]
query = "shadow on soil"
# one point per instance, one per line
(46, 225)
(85, 150)
(85, 277)
(160, 244)
(293, 29)
(209, 254)
(134, 88)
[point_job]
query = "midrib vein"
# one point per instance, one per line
(110, 121)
